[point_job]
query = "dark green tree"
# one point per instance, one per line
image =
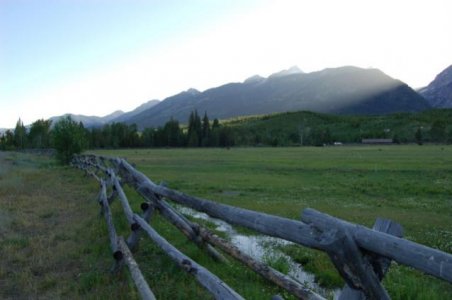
(39, 135)
(438, 131)
(226, 138)
(7, 141)
(214, 140)
(20, 135)
(96, 138)
(418, 136)
(148, 137)
(205, 131)
(449, 136)
(173, 133)
(194, 130)
(69, 138)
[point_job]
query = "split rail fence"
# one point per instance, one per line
(361, 255)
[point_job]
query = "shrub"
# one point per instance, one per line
(69, 138)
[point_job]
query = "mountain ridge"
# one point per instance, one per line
(135, 111)
(114, 117)
(343, 90)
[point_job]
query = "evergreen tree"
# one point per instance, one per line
(148, 136)
(418, 136)
(214, 140)
(173, 133)
(205, 141)
(39, 135)
(7, 140)
(194, 130)
(193, 140)
(226, 137)
(438, 131)
(96, 138)
(20, 135)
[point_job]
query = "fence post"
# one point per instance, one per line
(348, 259)
(380, 264)
(134, 237)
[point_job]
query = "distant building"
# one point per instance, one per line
(377, 141)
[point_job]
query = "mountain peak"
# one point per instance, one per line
(113, 115)
(254, 79)
(193, 91)
(292, 70)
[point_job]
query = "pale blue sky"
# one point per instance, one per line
(96, 56)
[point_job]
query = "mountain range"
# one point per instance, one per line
(344, 90)
(90, 121)
(117, 116)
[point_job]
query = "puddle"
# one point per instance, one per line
(262, 248)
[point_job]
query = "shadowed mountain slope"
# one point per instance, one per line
(345, 90)
(439, 92)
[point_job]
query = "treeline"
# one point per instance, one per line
(66, 136)
(38, 136)
(69, 137)
(284, 129)
(198, 133)
(315, 129)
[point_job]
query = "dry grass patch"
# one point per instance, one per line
(52, 243)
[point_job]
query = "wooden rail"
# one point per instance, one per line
(361, 255)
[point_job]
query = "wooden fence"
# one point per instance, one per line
(361, 255)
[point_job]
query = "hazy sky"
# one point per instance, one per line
(96, 56)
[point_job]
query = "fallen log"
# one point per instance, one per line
(212, 283)
(262, 269)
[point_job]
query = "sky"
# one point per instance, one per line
(93, 57)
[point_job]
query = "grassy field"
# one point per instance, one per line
(408, 184)
(52, 243)
(49, 220)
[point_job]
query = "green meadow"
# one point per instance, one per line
(54, 216)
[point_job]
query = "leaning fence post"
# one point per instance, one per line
(346, 256)
(380, 264)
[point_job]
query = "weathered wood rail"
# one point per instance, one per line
(361, 255)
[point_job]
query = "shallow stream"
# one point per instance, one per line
(263, 249)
